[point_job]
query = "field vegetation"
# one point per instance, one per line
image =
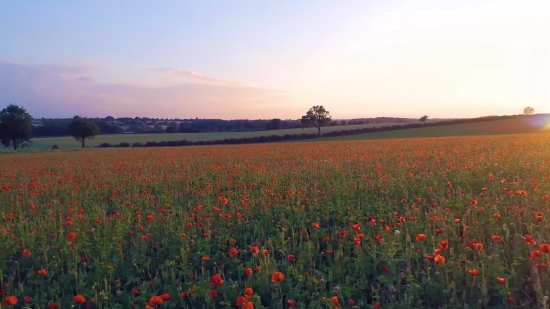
(68, 142)
(404, 223)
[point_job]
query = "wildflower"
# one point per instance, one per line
(241, 300)
(53, 305)
(216, 280)
(501, 280)
(10, 301)
(248, 305)
(213, 293)
(165, 297)
(71, 236)
(155, 301)
(473, 272)
(79, 299)
(42, 272)
(544, 248)
(420, 237)
(277, 277)
(248, 292)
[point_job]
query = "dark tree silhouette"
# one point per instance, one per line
(318, 117)
(423, 118)
(15, 127)
(82, 129)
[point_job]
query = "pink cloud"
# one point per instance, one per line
(64, 91)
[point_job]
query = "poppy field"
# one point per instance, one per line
(407, 223)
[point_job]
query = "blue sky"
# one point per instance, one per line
(265, 59)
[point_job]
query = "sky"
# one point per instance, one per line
(261, 59)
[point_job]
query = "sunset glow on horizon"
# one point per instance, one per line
(275, 59)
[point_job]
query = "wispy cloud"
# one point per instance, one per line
(195, 76)
(62, 91)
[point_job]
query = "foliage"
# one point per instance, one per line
(15, 127)
(349, 132)
(423, 118)
(82, 129)
(317, 117)
(424, 223)
(528, 110)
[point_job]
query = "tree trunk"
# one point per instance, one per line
(83, 142)
(15, 145)
(319, 128)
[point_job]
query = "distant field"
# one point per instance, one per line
(532, 124)
(41, 144)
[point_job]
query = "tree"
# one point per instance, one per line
(273, 124)
(172, 127)
(15, 127)
(528, 110)
(317, 116)
(423, 118)
(82, 129)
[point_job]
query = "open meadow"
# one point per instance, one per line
(406, 223)
(531, 124)
(67, 142)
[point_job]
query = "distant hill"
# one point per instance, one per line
(520, 125)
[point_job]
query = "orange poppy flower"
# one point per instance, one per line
(420, 237)
(501, 280)
(444, 244)
(10, 301)
(473, 272)
(79, 299)
(241, 300)
(277, 277)
(71, 236)
(248, 292)
(155, 301)
(544, 248)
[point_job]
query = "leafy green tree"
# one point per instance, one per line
(82, 129)
(15, 127)
(317, 117)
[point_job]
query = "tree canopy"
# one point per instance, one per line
(528, 110)
(317, 117)
(82, 129)
(15, 127)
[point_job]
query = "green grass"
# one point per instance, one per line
(533, 124)
(66, 143)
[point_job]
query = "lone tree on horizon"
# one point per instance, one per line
(317, 116)
(15, 127)
(528, 110)
(423, 118)
(82, 129)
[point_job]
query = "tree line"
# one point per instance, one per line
(303, 136)
(16, 127)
